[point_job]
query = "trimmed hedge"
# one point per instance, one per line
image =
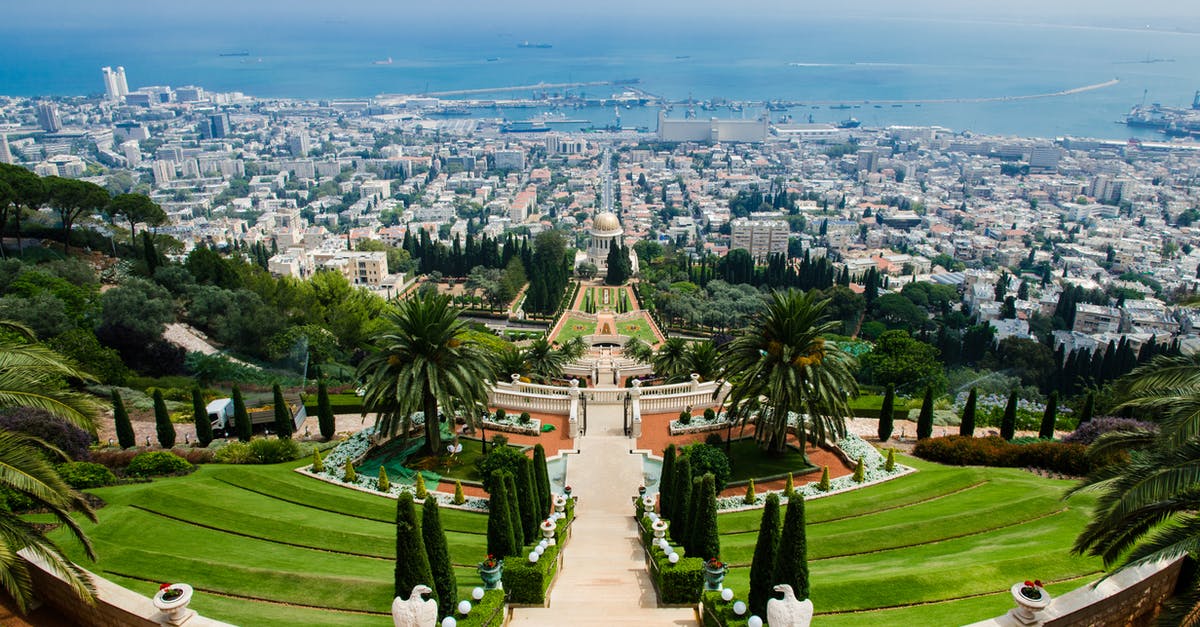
(84, 475)
(1070, 459)
(677, 584)
(487, 612)
(528, 583)
(155, 463)
(717, 612)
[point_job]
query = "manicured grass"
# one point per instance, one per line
(748, 461)
(638, 327)
(463, 466)
(933, 537)
(575, 327)
(290, 545)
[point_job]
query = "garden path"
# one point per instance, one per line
(604, 580)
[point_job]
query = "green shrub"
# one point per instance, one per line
(84, 475)
(274, 450)
(709, 459)
(714, 439)
(156, 463)
(125, 435)
(350, 476)
(419, 486)
(499, 459)
(383, 484)
(488, 612)
(824, 483)
(234, 453)
(524, 418)
(459, 497)
(685, 418)
(860, 473)
(750, 496)
(317, 465)
(1048, 455)
(500, 415)
(528, 582)
(679, 583)
(710, 415)
(890, 464)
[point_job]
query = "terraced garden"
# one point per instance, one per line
(939, 547)
(574, 327)
(264, 546)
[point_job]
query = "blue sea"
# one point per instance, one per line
(819, 58)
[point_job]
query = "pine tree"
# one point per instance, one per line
(325, 412)
(762, 568)
(445, 584)
(791, 562)
(162, 422)
(967, 426)
(541, 476)
(886, 418)
(665, 482)
(681, 503)
(125, 436)
(1008, 423)
(707, 539)
(1089, 408)
(241, 419)
(925, 418)
(283, 415)
(412, 562)
(514, 513)
(525, 499)
(204, 434)
(1049, 417)
(500, 539)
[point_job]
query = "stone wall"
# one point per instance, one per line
(114, 607)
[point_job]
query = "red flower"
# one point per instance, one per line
(1037, 582)
(1028, 583)
(163, 586)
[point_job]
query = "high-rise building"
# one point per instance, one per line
(5, 153)
(132, 152)
(110, 84)
(122, 84)
(299, 145)
(760, 238)
(47, 115)
(219, 124)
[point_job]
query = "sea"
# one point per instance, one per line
(823, 60)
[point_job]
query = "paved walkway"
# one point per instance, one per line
(604, 580)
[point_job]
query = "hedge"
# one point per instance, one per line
(716, 612)
(677, 584)
(528, 583)
(487, 612)
(1070, 459)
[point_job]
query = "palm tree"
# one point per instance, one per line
(509, 361)
(426, 360)
(639, 350)
(781, 363)
(31, 376)
(702, 358)
(573, 349)
(671, 358)
(543, 360)
(1146, 510)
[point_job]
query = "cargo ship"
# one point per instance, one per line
(1172, 121)
(525, 126)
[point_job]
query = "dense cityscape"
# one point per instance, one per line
(258, 301)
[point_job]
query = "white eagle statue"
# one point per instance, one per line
(788, 612)
(415, 612)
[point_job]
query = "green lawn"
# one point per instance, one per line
(639, 328)
(950, 540)
(271, 547)
(748, 461)
(575, 327)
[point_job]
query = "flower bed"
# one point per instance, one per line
(699, 424)
(513, 424)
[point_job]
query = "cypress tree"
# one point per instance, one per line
(1008, 424)
(789, 487)
(860, 473)
(925, 418)
(162, 422)
(514, 513)
(204, 433)
(525, 498)
(445, 585)
(383, 483)
(500, 538)
(762, 568)
(350, 476)
(890, 464)
(283, 415)
(1089, 407)
(325, 412)
(682, 501)
(541, 476)
(665, 482)
(1048, 418)
(706, 539)
(791, 562)
(125, 435)
(459, 497)
(967, 426)
(317, 464)
(693, 517)
(412, 562)
(241, 419)
(886, 417)
(823, 484)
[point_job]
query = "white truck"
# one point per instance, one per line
(220, 413)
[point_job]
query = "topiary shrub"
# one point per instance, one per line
(709, 459)
(750, 497)
(54, 431)
(274, 451)
(500, 415)
(524, 418)
(789, 488)
(350, 476)
(823, 485)
(685, 418)
(156, 463)
(84, 475)
(317, 465)
(459, 497)
(383, 484)
(1070, 459)
(710, 415)
(419, 486)
(860, 473)
(714, 439)
(499, 459)
(890, 464)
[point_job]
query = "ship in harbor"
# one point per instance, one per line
(234, 54)
(1172, 121)
(849, 123)
(528, 44)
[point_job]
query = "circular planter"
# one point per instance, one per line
(1028, 606)
(176, 608)
(492, 576)
(548, 528)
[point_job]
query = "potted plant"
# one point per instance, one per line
(567, 491)
(714, 573)
(642, 490)
(1031, 598)
(548, 528)
(172, 599)
(491, 570)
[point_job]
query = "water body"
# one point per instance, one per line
(818, 59)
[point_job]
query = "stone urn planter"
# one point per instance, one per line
(714, 574)
(648, 504)
(172, 600)
(548, 528)
(560, 504)
(660, 528)
(1031, 598)
(492, 573)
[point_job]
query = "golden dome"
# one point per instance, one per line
(606, 222)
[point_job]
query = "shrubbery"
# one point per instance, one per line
(156, 463)
(709, 459)
(258, 451)
(84, 475)
(1060, 457)
(679, 583)
(54, 431)
(1087, 432)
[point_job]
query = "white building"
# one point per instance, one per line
(509, 159)
(761, 238)
(606, 233)
(711, 130)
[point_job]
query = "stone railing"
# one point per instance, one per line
(524, 401)
(115, 606)
(1126, 598)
